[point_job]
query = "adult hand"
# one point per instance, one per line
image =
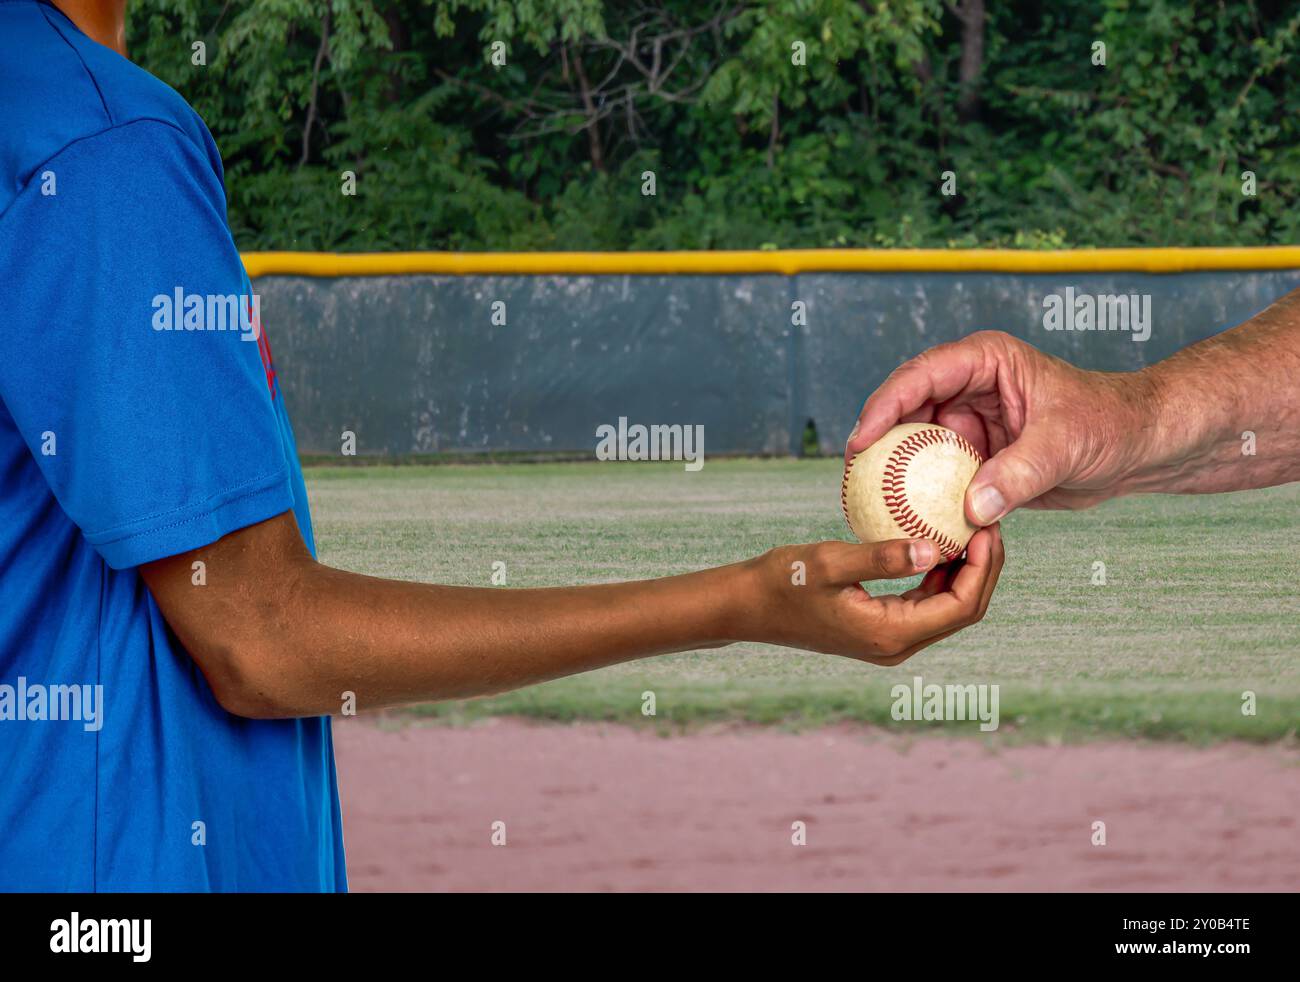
(1052, 435)
(822, 606)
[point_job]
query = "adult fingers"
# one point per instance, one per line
(933, 377)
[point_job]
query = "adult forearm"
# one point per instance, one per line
(1207, 400)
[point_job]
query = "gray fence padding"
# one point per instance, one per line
(414, 364)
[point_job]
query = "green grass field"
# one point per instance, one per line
(1201, 601)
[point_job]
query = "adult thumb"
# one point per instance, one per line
(1031, 466)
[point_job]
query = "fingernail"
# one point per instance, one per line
(855, 432)
(922, 553)
(987, 504)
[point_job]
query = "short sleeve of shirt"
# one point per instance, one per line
(129, 347)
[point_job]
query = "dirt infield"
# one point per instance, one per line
(599, 807)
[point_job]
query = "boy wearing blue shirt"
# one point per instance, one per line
(169, 647)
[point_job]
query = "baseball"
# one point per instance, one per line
(911, 484)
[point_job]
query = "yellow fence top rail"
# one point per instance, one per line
(783, 261)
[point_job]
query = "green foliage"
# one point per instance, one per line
(749, 147)
(537, 24)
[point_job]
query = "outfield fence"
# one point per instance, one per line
(433, 353)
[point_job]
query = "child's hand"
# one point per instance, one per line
(821, 605)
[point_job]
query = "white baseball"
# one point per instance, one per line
(911, 484)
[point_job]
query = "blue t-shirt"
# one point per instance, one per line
(139, 418)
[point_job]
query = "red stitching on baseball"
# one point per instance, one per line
(894, 486)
